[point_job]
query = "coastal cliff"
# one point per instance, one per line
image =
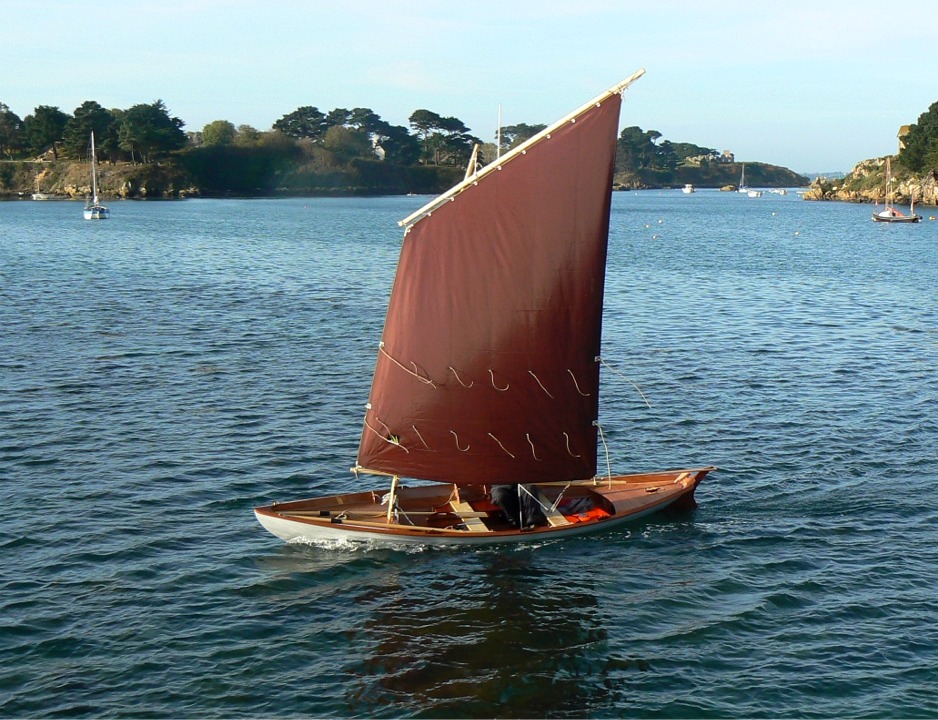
(67, 179)
(866, 184)
(231, 174)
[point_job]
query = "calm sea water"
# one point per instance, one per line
(165, 371)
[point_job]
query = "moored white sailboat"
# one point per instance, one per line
(743, 188)
(889, 214)
(487, 376)
(94, 210)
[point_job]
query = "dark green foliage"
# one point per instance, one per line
(444, 140)
(347, 143)
(148, 132)
(44, 128)
(683, 151)
(239, 170)
(284, 167)
(636, 149)
(88, 117)
(643, 159)
(342, 151)
(305, 122)
(641, 150)
(400, 146)
(11, 131)
(920, 153)
(219, 132)
(514, 135)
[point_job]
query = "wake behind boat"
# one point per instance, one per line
(487, 376)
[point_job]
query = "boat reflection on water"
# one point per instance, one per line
(500, 633)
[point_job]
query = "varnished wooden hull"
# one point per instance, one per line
(442, 514)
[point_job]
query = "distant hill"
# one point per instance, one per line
(713, 175)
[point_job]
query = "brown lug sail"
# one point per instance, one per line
(487, 371)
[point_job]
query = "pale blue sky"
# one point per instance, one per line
(813, 86)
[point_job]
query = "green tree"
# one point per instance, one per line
(219, 132)
(11, 131)
(337, 118)
(637, 149)
(920, 153)
(348, 143)
(109, 146)
(366, 119)
(665, 158)
(424, 123)
(88, 117)
(683, 151)
(399, 145)
(148, 131)
(44, 128)
(514, 135)
(444, 140)
(304, 122)
(247, 135)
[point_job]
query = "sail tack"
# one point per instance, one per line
(487, 370)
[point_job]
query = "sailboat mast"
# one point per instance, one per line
(498, 134)
(94, 173)
(888, 200)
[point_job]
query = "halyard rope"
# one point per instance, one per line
(626, 379)
(602, 437)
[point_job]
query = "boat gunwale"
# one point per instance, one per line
(379, 529)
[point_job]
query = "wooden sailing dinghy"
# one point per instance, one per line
(487, 375)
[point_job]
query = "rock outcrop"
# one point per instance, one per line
(64, 178)
(866, 183)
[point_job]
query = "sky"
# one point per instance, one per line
(814, 86)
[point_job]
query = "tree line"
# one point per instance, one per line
(342, 139)
(148, 132)
(141, 133)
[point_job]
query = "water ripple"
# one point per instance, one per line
(165, 372)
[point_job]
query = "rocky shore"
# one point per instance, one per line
(69, 179)
(866, 184)
(234, 174)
